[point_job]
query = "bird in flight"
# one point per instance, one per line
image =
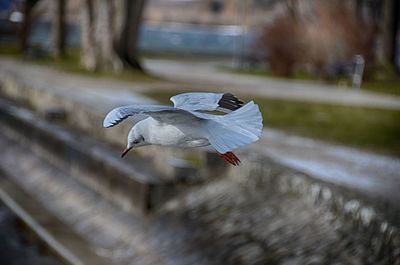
(187, 124)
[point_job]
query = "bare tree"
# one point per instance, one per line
(26, 26)
(126, 41)
(110, 31)
(88, 53)
(58, 28)
(390, 27)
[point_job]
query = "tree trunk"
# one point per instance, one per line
(389, 27)
(105, 32)
(88, 46)
(25, 27)
(110, 31)
(58, 28)
(126, 42)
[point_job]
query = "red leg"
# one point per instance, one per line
(231, 158)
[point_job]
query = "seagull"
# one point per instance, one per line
(189, 123)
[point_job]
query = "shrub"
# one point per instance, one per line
(282, 40)
(323, 35)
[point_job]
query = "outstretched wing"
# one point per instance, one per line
(161, 113)
(195, 101)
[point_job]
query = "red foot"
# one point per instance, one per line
(231, 158)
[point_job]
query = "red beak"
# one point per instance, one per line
(126, 150)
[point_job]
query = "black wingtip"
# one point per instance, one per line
(230, 102)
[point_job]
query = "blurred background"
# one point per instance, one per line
(320, 187)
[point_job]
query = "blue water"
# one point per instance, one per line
(222, 40)
(215, 40)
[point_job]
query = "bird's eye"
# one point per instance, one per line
(138, 140)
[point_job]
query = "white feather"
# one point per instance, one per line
(234, 130)
(197, 101)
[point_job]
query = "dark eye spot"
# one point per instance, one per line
(136, 142)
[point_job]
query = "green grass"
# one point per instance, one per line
(365, 128)
(385, 86)
(70, 63)
(390, 84)
(384, 79)
(299, 75)
(9, 50)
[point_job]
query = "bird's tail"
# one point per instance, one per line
(236, 129)
(248, 118)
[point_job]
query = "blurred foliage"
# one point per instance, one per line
(284, 42)
(309, 34)
(366, 128)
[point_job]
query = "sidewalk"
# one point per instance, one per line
(373, 175)
(209, 75)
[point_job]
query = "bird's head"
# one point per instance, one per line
(135, 139)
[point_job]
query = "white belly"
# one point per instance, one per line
(195, 143)
(177, 135)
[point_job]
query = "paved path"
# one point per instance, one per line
(209, 75)
(371, 173)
